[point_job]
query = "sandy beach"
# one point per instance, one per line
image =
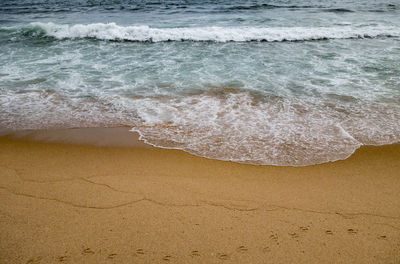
(118, 203)
(229, 131)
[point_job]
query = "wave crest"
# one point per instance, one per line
(114, 32)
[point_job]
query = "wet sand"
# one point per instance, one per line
(86, 203)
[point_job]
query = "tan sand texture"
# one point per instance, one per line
(91, 204)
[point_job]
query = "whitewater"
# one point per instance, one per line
(112, 31)
(274, 83)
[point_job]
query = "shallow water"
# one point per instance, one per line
(260, 82)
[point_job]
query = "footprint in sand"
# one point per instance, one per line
(275, 238)
(87, 251)
(328, 232)
(266, 250)
(382, 237)
(304, 228)
(112, 255)
(294, 235)
(167, 258)
(195, 253)
(222, 256)
(351, 231)
(62, 258)
(242, 249)
(140, 251)
(34, 260)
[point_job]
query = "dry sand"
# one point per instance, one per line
(107, 204)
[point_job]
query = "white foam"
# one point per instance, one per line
(234, 126)
(112, 31)
(237, 128)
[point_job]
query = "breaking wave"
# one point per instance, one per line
(143, 33)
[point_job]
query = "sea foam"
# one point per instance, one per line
(277, 104)
(234, 126)
(112, 31)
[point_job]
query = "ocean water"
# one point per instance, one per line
(278, 82)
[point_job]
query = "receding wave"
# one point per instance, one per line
(114, 32)
(226, 125)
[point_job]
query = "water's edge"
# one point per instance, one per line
(121, 137)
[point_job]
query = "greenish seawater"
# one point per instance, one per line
(280, 82)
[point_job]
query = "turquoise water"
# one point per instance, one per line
(260, 82)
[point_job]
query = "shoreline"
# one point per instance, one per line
(98, 204)
(124, 137)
